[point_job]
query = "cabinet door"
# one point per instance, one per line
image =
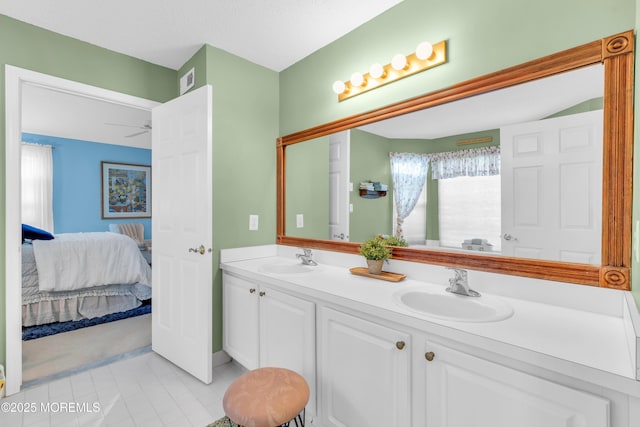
(463, 390)
(288, 336)
(240, 320)
(363, 372)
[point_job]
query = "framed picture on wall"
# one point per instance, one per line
(126, 190)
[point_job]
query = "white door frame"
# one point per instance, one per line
(14, 79)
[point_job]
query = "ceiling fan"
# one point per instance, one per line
(146, 127)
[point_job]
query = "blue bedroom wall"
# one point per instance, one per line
(76, 181)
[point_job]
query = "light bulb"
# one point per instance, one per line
(357, 79)
(376, 71)
(424, 50)
(339, 87)
(398, 62)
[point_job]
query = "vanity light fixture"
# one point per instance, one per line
(399, 62)
(426, 56)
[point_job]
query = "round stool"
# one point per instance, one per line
(266, 397)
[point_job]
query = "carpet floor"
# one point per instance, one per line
(39, 331)
(60, 353)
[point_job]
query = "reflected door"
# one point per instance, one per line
(339, 186)
(552, 188)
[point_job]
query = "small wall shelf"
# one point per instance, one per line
(368, 194)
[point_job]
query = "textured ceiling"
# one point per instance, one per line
(272, 33)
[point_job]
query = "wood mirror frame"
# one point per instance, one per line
(616, 53)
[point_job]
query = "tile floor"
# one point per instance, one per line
(145, 390)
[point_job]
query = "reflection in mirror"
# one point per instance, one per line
(542, 202)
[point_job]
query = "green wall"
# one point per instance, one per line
(307, 185)
(36, 49)
(482, 37)
(245, 128)
(370, 162)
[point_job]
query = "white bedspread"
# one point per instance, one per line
(82, 260)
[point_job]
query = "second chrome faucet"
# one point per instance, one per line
(306, 257)
(460, 283)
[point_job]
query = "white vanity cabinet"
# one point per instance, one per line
(263, 326)
(457, 389)
(367, 361)
(364, 372)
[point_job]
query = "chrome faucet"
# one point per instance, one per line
(460, 283)
(306, 258)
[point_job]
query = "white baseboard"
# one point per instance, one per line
(220, 358)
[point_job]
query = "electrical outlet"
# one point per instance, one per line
(300, 220)
(253, 222)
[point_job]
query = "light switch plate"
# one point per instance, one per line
(253, 222)
(300, 220)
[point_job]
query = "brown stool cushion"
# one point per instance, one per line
(266, 397)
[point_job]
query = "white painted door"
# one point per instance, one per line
(363, 371)
(463, 390)
(288, 336)
(182, 232)
(552, 188)
(339, 144)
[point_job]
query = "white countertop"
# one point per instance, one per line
(579, 343)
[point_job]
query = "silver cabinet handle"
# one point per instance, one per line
(508, 237)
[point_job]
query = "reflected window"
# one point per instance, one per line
(469, 208)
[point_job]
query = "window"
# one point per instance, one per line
(37, 186)
(469, 207)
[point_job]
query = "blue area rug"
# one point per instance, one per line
(39, 331)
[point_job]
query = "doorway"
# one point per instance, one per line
(15, 79)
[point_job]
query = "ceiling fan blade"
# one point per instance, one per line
(123, 125)
(136, 134)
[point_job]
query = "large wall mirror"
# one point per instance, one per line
(526, 171)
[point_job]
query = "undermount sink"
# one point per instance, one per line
(447, 306)
(283, 267)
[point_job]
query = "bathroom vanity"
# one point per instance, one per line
(550, 354)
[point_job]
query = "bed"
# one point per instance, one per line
(79, 276)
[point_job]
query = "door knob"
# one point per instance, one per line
(262, 293)
(429, 355)
(509, 237)
(400, 345)
(201, 250)
(252, 290)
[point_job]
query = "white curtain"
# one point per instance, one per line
(37, 186)
(484, 161)
(409, 174)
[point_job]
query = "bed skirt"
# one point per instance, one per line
(85, 307)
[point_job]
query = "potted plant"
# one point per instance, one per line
(395, 241)
(375, 250)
